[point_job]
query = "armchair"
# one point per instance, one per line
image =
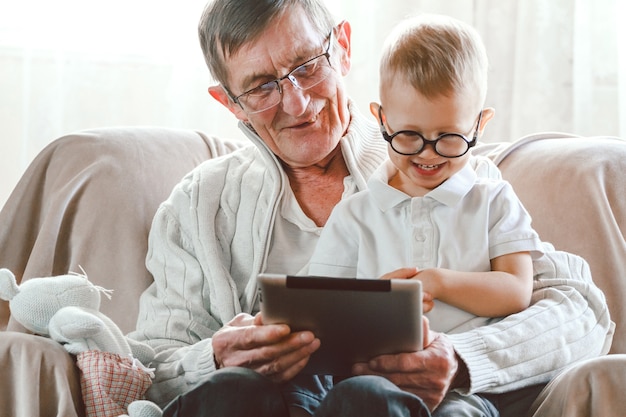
(88, 199)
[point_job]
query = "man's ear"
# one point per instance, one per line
(344, 32)
(374, 109)
(219, 94)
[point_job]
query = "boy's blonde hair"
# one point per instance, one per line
(438, 55)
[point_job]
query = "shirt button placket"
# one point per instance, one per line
(419, 220)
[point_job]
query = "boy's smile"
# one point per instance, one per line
(428, 169)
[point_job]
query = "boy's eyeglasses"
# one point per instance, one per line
(410, 142)
(304, 76)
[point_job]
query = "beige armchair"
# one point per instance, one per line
(88, 199)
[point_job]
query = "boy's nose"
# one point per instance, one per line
(428, 151)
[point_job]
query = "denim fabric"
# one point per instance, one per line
(307, 391)
(515, 403)
(370, 396)
(457, 405)
(239, 392)
(232, 392)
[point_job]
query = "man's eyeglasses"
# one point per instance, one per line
(410, 142)
(304, 76)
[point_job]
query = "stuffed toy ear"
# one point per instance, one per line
(8, 285)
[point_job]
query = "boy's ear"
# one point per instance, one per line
(219, 94)
(488, 114)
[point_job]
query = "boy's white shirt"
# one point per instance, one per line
(460, 225)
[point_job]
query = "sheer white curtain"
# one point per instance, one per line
(66, 65)
(555, 65)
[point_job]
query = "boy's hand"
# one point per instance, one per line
(402, 273)
(428, 301)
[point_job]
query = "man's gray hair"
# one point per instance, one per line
(227, 25)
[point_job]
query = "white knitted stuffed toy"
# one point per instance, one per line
(66, 308)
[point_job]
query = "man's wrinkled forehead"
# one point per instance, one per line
(271, 55)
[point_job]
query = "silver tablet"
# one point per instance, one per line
(355, 319)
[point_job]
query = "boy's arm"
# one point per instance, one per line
(504, 290)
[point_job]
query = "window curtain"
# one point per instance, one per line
(556, 65)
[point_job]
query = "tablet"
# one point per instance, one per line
(355, 319)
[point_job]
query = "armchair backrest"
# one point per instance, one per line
(87, 201)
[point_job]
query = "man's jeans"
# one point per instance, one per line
(240, 392)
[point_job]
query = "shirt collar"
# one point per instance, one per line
(448, 193)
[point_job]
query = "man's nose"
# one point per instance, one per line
(294, 99)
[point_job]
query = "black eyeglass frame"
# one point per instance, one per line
(289, 76)
(389, 138)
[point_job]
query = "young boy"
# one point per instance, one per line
(427, 213)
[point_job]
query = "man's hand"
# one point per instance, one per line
(428, 374)
(271, 350)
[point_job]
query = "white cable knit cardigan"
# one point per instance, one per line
(210, 239)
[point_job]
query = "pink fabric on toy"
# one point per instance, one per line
(110, 382)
